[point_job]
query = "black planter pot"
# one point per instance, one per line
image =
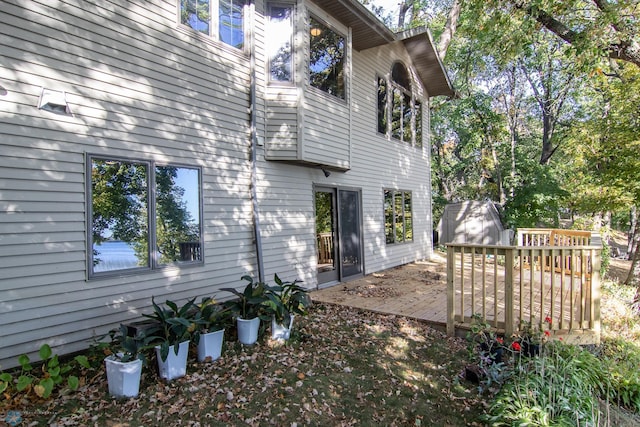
(530, 350)
(494, 352)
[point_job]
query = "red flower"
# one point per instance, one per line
(547, 333)
(547, 319)
(516, 346)
(499, 340)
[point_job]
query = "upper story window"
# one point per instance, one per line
(280, 42)
(143, 215)
(205, 16)
(327, 55)
(399, 111)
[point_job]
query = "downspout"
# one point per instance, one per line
(254, 143)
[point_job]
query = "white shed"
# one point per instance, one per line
(472, 222)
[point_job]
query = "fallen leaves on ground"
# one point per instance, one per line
(342, 367)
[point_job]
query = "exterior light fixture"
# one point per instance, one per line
(315, 32)
(54, 101)
(325, 172)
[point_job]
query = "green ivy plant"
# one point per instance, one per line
(44, 379)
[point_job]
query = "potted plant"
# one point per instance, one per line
(284, 301)
(248, 308)
(172, 334)
(532, 337)
(209, 335)
(124, 364)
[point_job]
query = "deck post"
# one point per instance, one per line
(595, 294)
(451, 315)
(508, 291)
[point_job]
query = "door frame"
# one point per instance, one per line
(335, 190)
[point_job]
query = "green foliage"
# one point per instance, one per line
(250, 302)
(538, 199)
(561, 387)
(44, 378)
(174, 325)
(285, 298)
(623, 359)
(126, 347)
(210, 317)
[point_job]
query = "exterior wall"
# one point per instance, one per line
(139, 86)
(142, 87)
(286, 191)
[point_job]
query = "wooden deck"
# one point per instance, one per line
(420, 290)
(417, 290)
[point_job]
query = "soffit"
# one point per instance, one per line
(427, 62)
(367, 31)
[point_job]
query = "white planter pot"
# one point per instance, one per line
(279, 331)
(176, 364)
(248, 330)
(210, 345)
(123, 377)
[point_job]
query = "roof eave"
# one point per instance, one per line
(419, 44)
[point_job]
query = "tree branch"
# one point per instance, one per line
(627, 50)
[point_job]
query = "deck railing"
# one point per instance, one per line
(554, 287)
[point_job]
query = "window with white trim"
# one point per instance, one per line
(279, 43)
(143, 215)
(327, 58)
(221, 19)
(398, 216)
(399, 110)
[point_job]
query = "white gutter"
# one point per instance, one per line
(254, 144)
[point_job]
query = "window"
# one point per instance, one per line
(279, 42)
(399, 112)
(382, 105)
(326, 59)
(398, 216)
(205, 15)
(143, 215)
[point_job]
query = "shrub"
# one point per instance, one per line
(561, 387)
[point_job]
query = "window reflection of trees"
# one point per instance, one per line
(120, 203)
(197, 14)
(280, 31)
(326, 59)
(231, 22)
(398, 216)
(399, 112)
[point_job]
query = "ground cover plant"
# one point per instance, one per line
(342, 366)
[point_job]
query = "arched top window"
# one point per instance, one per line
(399, 110)
(400, 76)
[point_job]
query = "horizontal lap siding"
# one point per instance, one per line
(326, 130)
(381, 163)
(286, 191)
(140, 87)
(282, 131)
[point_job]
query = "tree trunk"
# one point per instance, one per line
(633, 278)
(449, 29)
(633, 220)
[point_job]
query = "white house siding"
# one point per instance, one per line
(139, 86)
(288, 228)
(142, 87)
